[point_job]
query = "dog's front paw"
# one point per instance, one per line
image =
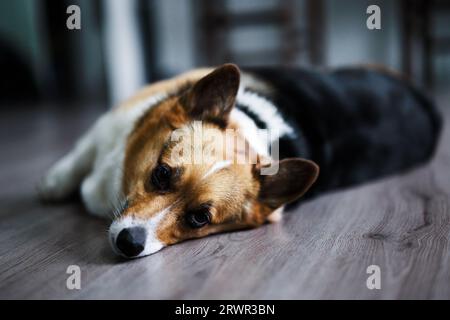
(54, 186)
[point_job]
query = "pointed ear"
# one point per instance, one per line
(294, 177)
(212, 98)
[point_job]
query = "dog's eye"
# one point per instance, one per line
(199, 217)
(161, 177)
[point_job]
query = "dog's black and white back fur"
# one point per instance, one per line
(357, 124)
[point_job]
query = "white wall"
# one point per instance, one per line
(348, 41)
(175, 37)
(123, 51)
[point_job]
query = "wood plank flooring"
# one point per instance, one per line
(319, 251)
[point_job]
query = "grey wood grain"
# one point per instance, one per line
(320, 250)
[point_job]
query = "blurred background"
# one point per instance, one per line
(124, 44)
(55, 82)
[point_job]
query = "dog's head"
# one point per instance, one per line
(189, 173)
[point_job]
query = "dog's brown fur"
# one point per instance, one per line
(238, 196)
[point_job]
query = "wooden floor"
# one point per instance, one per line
(320, 250)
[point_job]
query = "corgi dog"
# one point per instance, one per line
(263, 134)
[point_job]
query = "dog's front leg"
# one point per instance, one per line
(101, 189)
(65, 176)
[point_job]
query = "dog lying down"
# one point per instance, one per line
(215, 150)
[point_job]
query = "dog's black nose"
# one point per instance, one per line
(131, 241)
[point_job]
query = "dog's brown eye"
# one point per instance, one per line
(161, 177)
(199, 217)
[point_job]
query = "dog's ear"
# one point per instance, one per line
(212, 98)
(294, 177)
